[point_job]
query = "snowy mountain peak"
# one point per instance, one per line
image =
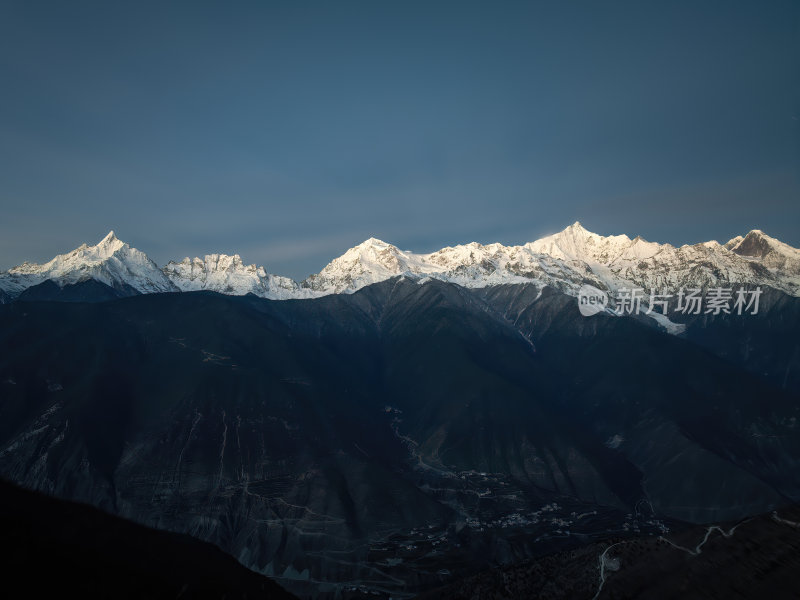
(373, 243)
(733, 242)
(216, 263)
(374, 250)
(371, 261)
(770, 252)
(109, 239)
(576, 226)
(109, 245)
(228, 274)
(756, 243)
(110, 261)
(565, 260)
(575, 243)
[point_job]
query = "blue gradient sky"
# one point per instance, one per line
(288, 132)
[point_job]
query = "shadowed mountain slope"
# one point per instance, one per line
(57, 548)
(757, 558)
(314, 440)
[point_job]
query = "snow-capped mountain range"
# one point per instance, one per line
(565, 260)
(111, 261)
(228, 275)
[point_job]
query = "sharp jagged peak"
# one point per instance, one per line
(578, 231)
(774, 242)
(110, 261)
(576, 243)
(757, 233)
(732, 243)
(574, 231)
(219, 257)
(210, 258)
(758, 244)
(569, 252)
(374, 242)
(576, 226)
(370, 250)
(227, 274)
(107, 246)
(109, 239)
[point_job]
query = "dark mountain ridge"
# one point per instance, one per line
(58, 548)
(390, 439)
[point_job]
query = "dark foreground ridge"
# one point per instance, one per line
(398, 439)
(754, 558)
(58, 548)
